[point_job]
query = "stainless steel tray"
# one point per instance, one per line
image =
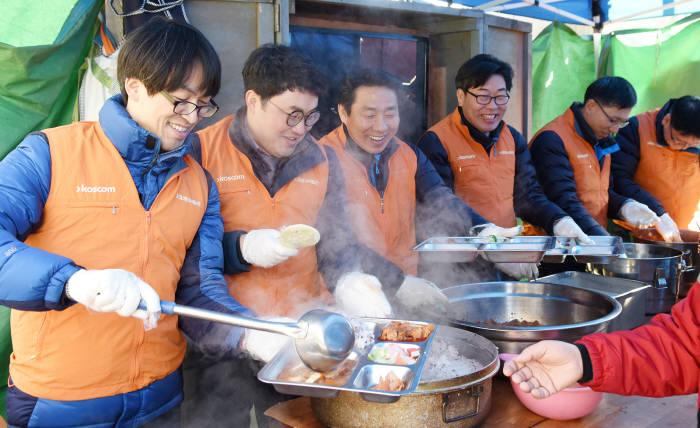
(520, 249)
(605, 250)
(450, 249)
(289, 375)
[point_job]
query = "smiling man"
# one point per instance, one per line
(484, 160)
(572, 158)
(659, 162)
(386, 179)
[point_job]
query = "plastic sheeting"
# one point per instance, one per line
(660, 64)
(562, 68)
(39, 84)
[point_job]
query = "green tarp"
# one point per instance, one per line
(39, 84)
(42, 47)
(562, 68)
(660, 64)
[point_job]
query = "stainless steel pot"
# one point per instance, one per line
(689, 248)
(660, 267)
(563, 312)
(456, 402)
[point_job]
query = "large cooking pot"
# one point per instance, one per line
(689, 248)
(439, 401)
(562, 312)
(660, 267)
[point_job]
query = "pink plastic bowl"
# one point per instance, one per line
(570, 403)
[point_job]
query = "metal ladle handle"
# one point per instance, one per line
(291, 329)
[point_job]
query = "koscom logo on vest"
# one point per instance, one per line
(466, 157)
(188, 200)
(230, 178)
(81, 188)
(307, 180)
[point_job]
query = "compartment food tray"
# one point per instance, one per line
(363, 375)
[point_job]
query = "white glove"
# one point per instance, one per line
(359, 294)
(490, 229)
(566, 226)
(415, 292)
(263, 345)
(262, 247)
(668, 229)
(114, 290)
(519, 270)
(638, 214)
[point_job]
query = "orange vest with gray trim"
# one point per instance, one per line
(289, 287)
(592, 181)
(386, 225)
(671, 176)
(484, 182)
(93, 215)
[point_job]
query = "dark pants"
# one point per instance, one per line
(221, 393)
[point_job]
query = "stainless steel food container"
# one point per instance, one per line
(660, 267)
(564, 313)
(630, 293)
(457, 402)
(689, 248)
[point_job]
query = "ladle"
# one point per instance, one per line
(323, 339)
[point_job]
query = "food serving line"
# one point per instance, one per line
(447, 375)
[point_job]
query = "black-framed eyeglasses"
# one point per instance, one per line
(500, 100)
(185, 107)
(613, 122)
(297, 116)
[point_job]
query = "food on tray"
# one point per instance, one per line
(390, 382)
(299, 235)
(406, 332)
(512, 323)
(391, 353)
(301, 374)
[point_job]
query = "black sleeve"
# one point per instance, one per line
(624, 167)
(587, 364)
(339, 251)
(529, 200)
(438, 210)
(432, 147)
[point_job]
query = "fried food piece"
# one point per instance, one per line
(406, 332)
(299, 235)
(390, 382)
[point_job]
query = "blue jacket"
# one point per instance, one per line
(556, 175)
(529, 202)
(33, 279)
(624, 162)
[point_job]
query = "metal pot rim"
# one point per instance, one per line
(432, 387)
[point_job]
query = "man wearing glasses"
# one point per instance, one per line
(270, 174)
(572, 158)
(109, 214)
(487, 162)
(659, 164)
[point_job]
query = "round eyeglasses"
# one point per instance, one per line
(185, 107)
(297, 116)
(500, 100)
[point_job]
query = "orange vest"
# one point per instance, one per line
(592, 182)
(385, 225)
(289, 287)
(671, 176)
(93, 215)
(484, 182)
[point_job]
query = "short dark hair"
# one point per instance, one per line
(365, 77)
(685, 115)
(612, 91)
(478, 69)
(273, 69)
(163, 53)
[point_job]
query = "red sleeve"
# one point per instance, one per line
(661, 358)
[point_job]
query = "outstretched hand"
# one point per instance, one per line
(545, 368)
